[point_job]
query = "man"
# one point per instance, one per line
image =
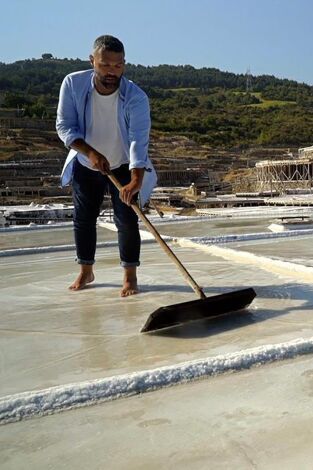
(105, 120)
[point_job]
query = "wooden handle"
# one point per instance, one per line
(161, 242)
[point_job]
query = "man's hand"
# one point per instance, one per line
(98, 161)
(129, 190)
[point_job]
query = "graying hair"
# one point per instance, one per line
(109, 43)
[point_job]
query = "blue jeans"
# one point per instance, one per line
(89, 188)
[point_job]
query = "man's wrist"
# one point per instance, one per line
(137, 174)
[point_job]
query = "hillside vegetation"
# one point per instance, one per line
(210, 106)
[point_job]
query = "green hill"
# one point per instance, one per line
(206, 104)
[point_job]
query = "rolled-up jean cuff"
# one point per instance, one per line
(85, 261)
(124, 264)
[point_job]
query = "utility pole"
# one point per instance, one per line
(248, 80)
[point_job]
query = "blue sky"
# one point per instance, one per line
(269, 36)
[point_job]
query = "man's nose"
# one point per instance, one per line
(111, 70)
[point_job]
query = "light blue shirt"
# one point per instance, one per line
(75, 111)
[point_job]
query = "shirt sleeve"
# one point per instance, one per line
(139, 130)
(67, 124)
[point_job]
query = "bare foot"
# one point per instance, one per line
(82, 280)
(130, 286)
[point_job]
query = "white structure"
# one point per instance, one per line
(288, 173)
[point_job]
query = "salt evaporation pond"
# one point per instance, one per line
(296, 250)
(213, 227)
(46, 237)
(259, 418)
(53, 338)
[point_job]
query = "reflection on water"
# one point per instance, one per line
(64, 236)
(297, 250)
(215, 227)
(33, 238)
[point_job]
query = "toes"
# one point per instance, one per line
(128, 292)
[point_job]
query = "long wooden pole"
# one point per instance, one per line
(161, 242)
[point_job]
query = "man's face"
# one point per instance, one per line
(109, 67)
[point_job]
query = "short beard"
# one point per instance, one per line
(110, 84)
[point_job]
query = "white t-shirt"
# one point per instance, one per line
(103, 132)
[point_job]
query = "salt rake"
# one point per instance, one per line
(205, 307)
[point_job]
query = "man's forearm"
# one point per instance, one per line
(137, 175)
(82, 147)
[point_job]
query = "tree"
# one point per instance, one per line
(14, 100)
(46, 56)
